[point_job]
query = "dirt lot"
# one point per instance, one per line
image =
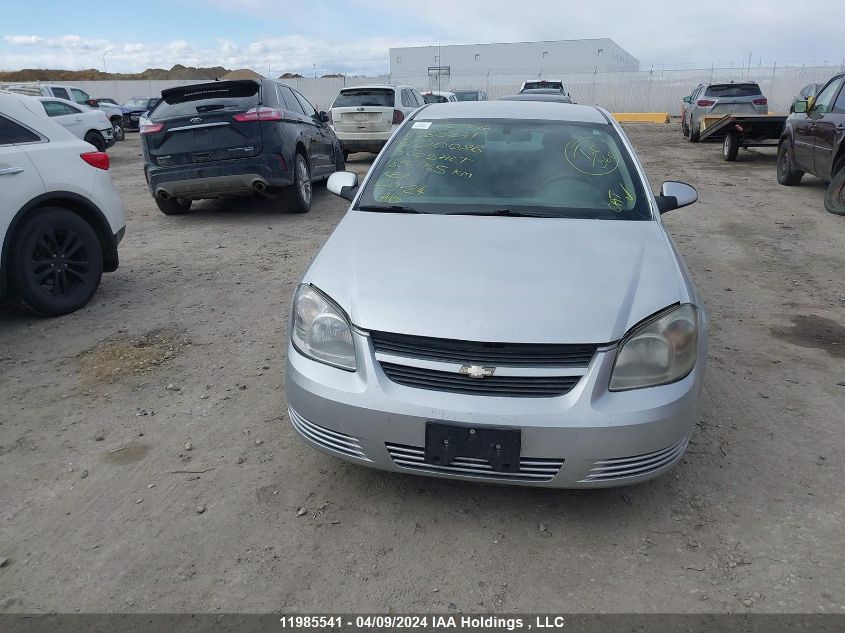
(185, 344)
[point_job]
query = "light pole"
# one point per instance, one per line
(104, 61)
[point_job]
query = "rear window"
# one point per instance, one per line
(533, 85)
(435, 99)
(548, 168)
(466, 95)
(733, 90)
(213, 97)
(381, 97)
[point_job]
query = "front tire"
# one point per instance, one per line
(730, 147)
(55, 263)
(96, 139)
(173, 206)
(119, 132)
(299, 194)
(787, 175)
(834, 197)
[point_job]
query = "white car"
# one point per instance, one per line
(61, 218)
(77, 95)
(364, 117)
(439, 96)
(92, 126)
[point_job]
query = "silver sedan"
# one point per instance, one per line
(501, 303)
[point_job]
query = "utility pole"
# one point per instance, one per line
(104, 61)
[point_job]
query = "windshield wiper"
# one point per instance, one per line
(503, 212)
(391, 208)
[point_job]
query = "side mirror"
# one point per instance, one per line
(687, 99)
(674, 195)
(324, 117)
(343, 184)
(800, 106)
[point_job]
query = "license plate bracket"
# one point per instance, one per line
(445, 442)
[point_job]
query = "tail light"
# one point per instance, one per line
(398, 117)
(261, 113)
(151, 128)
(100, 160)
(705, 103)
(761, 101)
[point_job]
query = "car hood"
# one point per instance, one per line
(498, 279)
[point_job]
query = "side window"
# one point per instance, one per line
(839, 106)
(306, 105)
(61, 93)
(824, 100)
(290, 100)
(80, 96)
(406, 100)
(54, 108)
(11, 133)
(419, 98)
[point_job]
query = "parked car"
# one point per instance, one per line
(575, 361)
(136, 107)
(107, 101)
(241, 137)
(90, 125)
(721, 99)
(812, 143)
(78, 96)
(364, 117)
(538, 95)
(439, 96)
(808, 93)
(61, 218)
(470, 94)
(544, 84)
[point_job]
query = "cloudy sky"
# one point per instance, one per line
(353, 36)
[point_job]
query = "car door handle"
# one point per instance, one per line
(10, 171)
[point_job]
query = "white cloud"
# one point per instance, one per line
(22, 40)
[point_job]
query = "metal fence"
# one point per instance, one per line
(642, 91)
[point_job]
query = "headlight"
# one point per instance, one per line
(320, 329)
(658, 352)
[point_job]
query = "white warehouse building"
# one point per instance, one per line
(472, 65)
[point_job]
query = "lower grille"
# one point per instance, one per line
(514, 386)
(530, 468)
(328, 439)
(624, 467)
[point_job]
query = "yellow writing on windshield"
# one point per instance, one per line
(591, 156)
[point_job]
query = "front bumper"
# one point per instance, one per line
(587, 438)
(220, 178)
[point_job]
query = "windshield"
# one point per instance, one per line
(381, 97)
(504, 166)
(435, 99)
(466, 95)
(134, 104)
(733, 90)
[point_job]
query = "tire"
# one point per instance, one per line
(340, 162)
(119, 132)
(298, 196)
(96, 139)
(684, 127)
(345, 155)
(730, 147)
(693, 135)
(55, 263)
(173, 206)
(787, 175)
(834, 196)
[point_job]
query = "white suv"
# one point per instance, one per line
(61, 217)
(364, 117)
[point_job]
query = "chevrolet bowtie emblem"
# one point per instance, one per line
(477, 371)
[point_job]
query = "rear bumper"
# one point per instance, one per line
(364, 141)
(222, 178)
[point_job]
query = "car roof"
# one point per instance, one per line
(67, 101)
(553, 111)
(22, 108)
(370, 86)
(535, 96)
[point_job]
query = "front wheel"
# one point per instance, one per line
(299, 194)
(173, 206)
(96, 139)
(834, 197)
(730, 148)
(786, 174)
(119, 132)
(55, 263)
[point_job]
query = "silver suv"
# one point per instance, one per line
(720, 99)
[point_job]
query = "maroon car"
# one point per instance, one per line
(812, 142)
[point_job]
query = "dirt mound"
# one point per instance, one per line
(92, 74)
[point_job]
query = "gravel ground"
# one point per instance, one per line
(147, 464)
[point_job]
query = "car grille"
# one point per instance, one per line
(497, 354)
(530, 468)
(326, 438)
(505, 386)
(624, 467)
